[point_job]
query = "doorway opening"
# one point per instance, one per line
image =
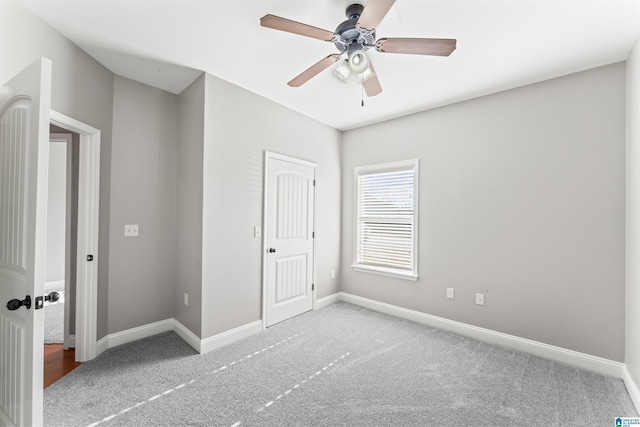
(62, 207)
(60, 254)
(82, 258)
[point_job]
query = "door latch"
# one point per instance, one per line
(53, 297)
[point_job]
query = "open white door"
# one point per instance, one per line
(289, 228)
(24, 155)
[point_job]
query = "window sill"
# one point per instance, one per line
(385, 272)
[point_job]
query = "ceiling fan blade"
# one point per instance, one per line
(437, 47)
(373, 13)
(283, 24)
(315, 69)
(372, 86)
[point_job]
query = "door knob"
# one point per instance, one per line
(15, 304)
(272, 250)
(52, 297)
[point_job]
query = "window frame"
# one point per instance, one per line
(404, 165)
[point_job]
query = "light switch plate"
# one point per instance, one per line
(257, 232)
(131, 230)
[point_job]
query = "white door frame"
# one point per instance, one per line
(267, 156)
(67, 140)
(87, 244)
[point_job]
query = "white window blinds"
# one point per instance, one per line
(386, 217)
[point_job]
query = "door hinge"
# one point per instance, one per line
(314, 182)
(313, 234)
(313, 287)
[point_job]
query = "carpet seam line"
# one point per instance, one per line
(137, 405)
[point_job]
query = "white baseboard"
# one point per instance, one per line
(632, 388)
(71, 342)
(326, 301)
(102, 345)
(231, 336)
(134, 334)
(208, 344)
(201, 346)
(558, 354)
(188, 336)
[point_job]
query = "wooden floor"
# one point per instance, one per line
(58, 363)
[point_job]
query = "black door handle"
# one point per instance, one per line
(272, 250)
(15, 304)
(52, 297)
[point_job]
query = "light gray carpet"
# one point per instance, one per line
(342, 365)
(54, 321)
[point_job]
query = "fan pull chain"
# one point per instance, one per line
(362, 95)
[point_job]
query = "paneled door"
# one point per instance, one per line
(289, 237)
(24, 155)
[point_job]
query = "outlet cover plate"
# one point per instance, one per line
(131, 230)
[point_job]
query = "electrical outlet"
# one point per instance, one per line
(480, 299)
(186, 298)
(451, 293)
(131, 230)
(333, 274)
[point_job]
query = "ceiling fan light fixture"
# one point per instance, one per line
(354, 37)
(358, 61)
(366, 75)
(342, 71)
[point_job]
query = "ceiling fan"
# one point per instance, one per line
(354, 37)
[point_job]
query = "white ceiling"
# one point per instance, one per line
(501, 44)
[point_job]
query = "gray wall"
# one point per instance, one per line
(239, 127)
(142, 272)
(189, 206)
(522, 198)
(81, 88)
(632, 323)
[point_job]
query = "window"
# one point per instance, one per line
(387, 219)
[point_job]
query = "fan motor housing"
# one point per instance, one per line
(348, 33)
(354, 10)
